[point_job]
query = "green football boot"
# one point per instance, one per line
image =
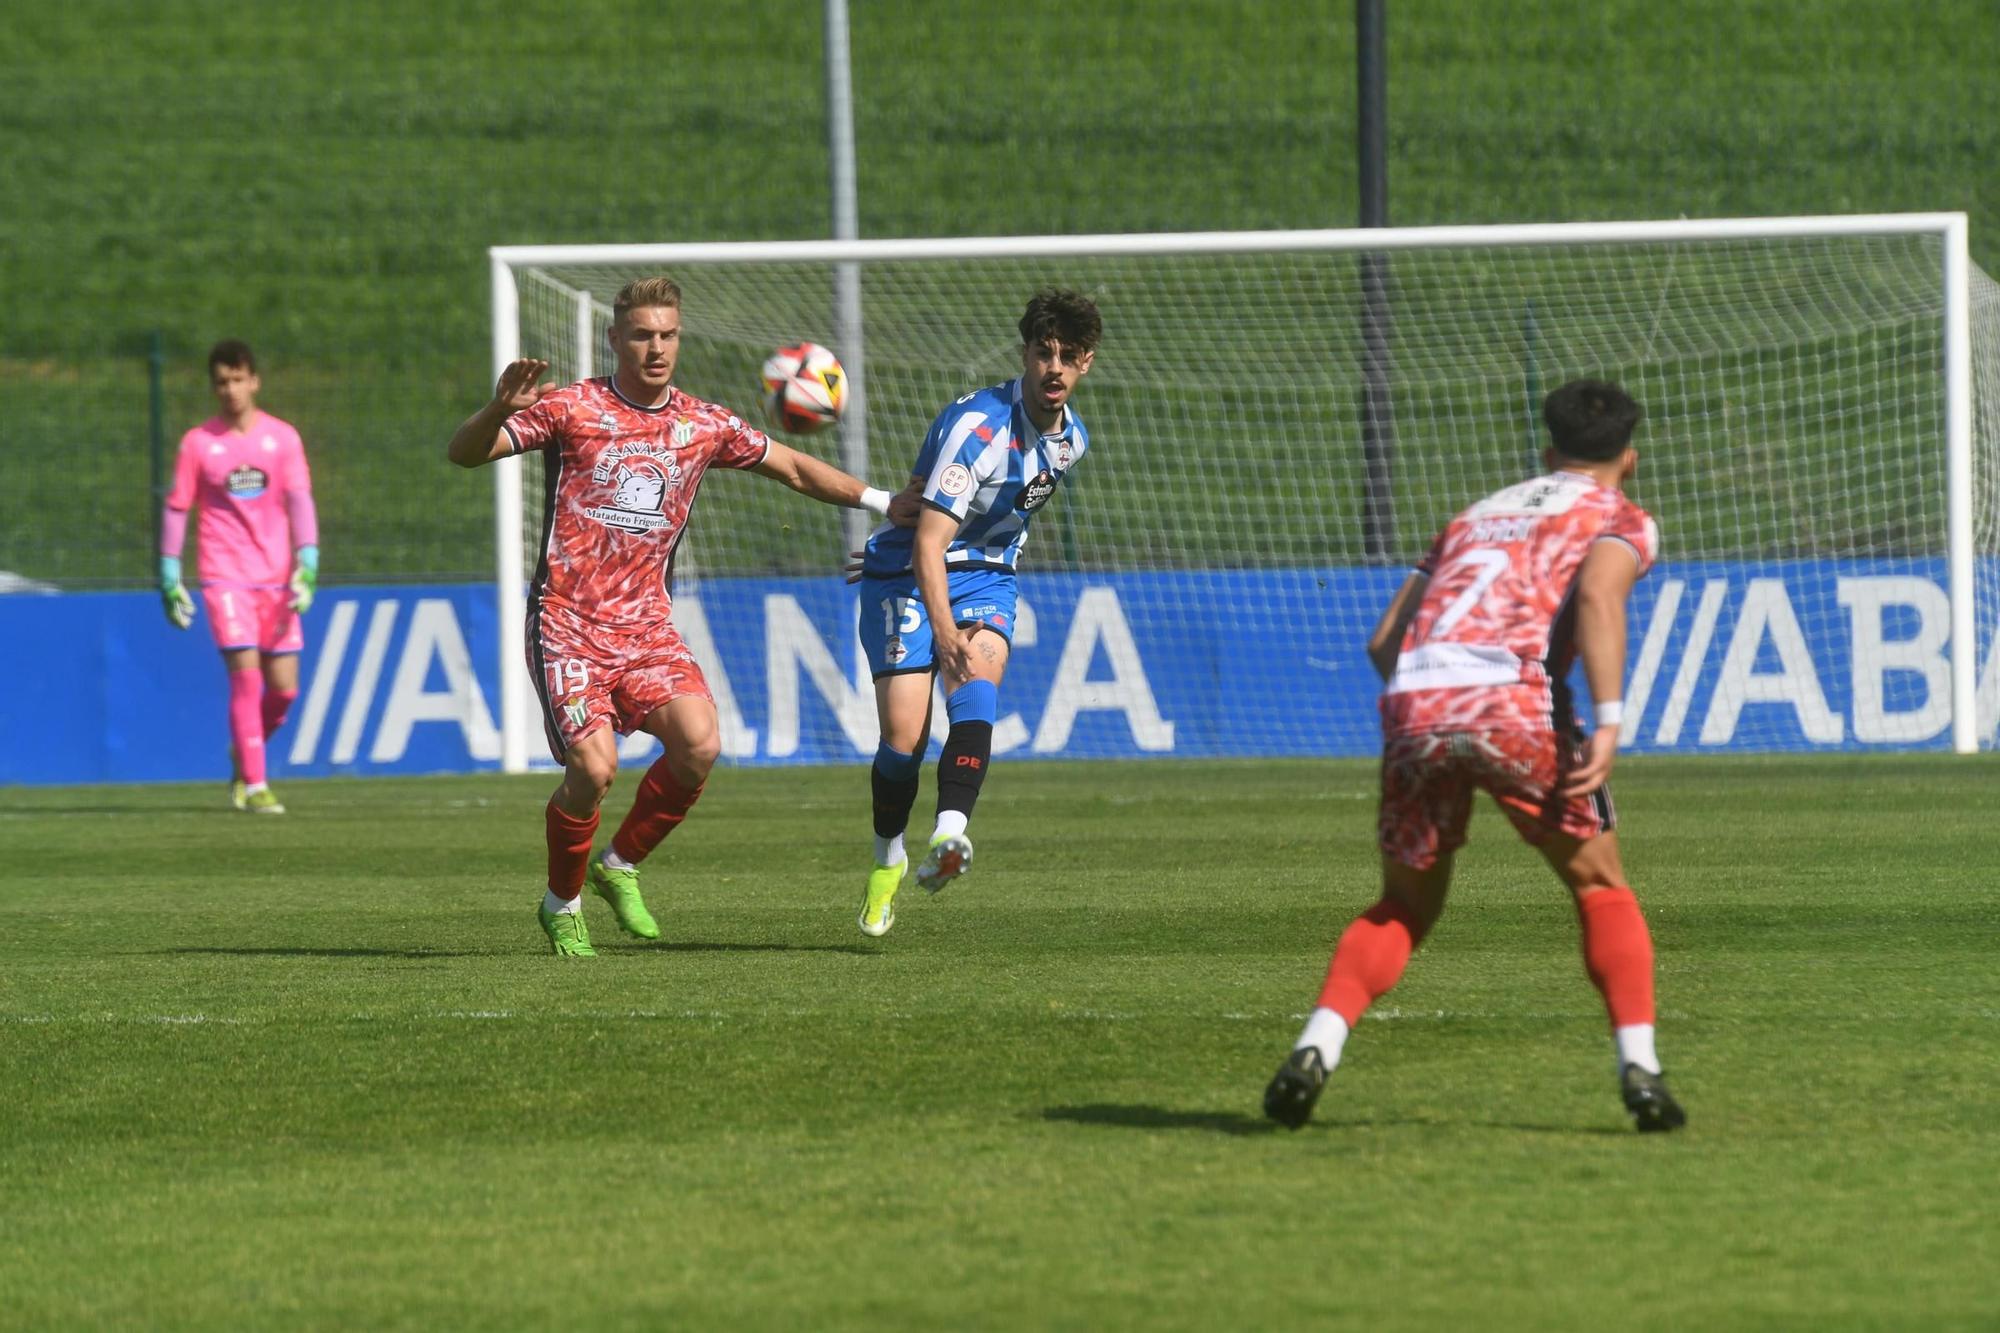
(878, 905)
(949, 857)
(239, 793)
(620, 888)
(263, 802)
(568, 936)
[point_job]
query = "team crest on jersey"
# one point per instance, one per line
(638, 503)
(893, 652)
(1063, 455)
(1036, 493)
(578, 710)
(246, 482)
(683, 433)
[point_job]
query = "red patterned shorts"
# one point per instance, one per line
(587, 675)
(1428, 781)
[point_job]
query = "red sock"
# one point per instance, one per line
(569, 850)
(1618, 952)
(246, 687)
(1369, 959)
(277, 707)
(657, 810)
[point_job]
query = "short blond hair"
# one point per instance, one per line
(645, 292)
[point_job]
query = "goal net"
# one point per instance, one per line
(1820, 447)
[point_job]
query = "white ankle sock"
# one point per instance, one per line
(1328, 1031)
(950, 823)
(614, 861)
(555, 906)
(889, 851)
(1635, 1047)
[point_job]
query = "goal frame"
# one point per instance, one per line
(511, 574)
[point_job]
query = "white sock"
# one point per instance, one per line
(950, 824)
(613, 861)
(555, 906)
(1635, 1047)
(251, 789)
(889, 851)
(1328, 1031)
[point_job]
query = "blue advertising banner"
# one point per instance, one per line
(1725, 657)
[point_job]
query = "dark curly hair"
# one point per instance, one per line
(1059, 315)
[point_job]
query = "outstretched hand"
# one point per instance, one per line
(1596, 756)
(854, 566)
(517, 388)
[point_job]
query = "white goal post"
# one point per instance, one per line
(1822, 447)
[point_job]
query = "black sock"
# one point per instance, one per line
(963, 765)
(893, 797)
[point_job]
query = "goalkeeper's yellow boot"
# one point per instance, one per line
(949, 857)
(263, 801)
(878, 905)
(620, 888)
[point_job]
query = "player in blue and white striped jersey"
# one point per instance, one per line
(938, 598)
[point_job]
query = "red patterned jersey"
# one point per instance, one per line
(620, 482)
(1493, 639)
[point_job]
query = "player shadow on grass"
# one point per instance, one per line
(738, 946)
(304, 951)
(1159, 1117)
(1242, 1125)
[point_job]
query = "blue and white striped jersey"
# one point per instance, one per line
(984, 463)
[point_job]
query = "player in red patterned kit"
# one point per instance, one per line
(626, 454)
(1475, 649)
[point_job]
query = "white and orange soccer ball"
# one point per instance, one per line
(804, 388)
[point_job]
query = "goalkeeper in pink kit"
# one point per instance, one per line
(259, 558)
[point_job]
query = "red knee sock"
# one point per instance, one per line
(569, 850)
(1369, 959)
(1618, 952)
(277, 707)
(657, 810)
(246, 689)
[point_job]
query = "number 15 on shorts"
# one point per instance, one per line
(901, 615)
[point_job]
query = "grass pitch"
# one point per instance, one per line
(317, 1070)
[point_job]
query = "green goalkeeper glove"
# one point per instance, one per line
(305, 579)
(174, 597)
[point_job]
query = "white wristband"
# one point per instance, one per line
(1611, 712)
(875, 499)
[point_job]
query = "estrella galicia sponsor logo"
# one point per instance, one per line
(1036, 493)
(246, 482)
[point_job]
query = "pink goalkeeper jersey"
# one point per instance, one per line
(1493, 639)
(241, 480)
(621, 481)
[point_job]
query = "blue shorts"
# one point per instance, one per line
(895, 632)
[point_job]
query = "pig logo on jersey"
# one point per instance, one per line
(1036, 493)
(636, 504)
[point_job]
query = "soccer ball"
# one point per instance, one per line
(804, 388)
